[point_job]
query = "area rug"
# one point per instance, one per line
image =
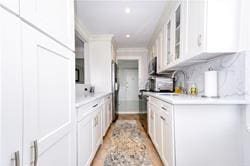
(127, 146)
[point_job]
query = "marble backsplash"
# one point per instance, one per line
(233, 74)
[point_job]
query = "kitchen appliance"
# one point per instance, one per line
(143, 99)
(115, 89)
(161, 84)
(152, 66)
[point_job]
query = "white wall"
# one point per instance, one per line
(100, 59)
(140, 54)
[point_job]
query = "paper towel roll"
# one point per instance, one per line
(211, 84)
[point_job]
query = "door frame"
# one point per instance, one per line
(139, 60)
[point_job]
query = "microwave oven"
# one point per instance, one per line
(152, 66)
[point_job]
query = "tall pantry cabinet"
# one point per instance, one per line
(11, 97)
(37, 111)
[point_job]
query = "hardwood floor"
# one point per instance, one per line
(103, 150)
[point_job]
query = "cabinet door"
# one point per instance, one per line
(104, 119)
(12, 5)
(110, 112)
(167, 153)
(54, 17)
(49, 109)
(11, 107)
(196, 22)
(85, 131)
(107, 115)
(158, 130)
(97, 133)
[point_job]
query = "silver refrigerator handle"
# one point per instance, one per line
(116, 86)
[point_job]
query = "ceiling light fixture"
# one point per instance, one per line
(127, 10)
(127, 35)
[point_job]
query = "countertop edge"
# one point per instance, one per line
(87, 100)
(200, 101)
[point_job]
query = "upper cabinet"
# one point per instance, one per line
(196, 31)
(12, 5)
(55, 18)
(213, 27)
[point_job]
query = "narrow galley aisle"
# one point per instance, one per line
(126, 143)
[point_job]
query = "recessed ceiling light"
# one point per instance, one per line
(127, 35)
(127, 10)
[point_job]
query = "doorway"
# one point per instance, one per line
(128, 92)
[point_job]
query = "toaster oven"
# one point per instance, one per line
(161, 84)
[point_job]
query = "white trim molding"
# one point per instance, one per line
(101, 37)
(81, 29)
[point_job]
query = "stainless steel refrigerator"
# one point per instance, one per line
(115, 90)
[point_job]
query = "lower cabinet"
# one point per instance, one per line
(97, 128)
(167, 139)
(85, 141)
(92, 125)
(196, 134)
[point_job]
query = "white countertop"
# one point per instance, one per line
(81, 99)
(196, 100)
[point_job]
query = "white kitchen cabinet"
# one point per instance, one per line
(97, 128)
(194, 134)
(210, 30)
(11, 101)
(85, 138)
(92, 121)
(106, 114)
(167, 139)
(12, 5)
(151, 120)
(49, 110)
(158, 131)
(55, 18)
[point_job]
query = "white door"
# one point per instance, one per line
(11, 106)
(85, 137)
(12, 5)
(54, 17)
(131, 84)
(49, 109)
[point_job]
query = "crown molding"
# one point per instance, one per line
(81, 29)
(101, 37)
(134, 50)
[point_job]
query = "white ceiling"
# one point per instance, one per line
(109, 17)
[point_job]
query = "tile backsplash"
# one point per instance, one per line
(232, 74)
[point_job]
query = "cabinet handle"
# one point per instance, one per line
(164, 108)
(35, 146)
(163, 118)
(95, 105)
(16, 158)
(199, 41)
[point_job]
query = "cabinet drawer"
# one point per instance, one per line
(108, 98)
(86, 109)
(164, 106)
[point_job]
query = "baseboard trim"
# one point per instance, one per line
(128, 113)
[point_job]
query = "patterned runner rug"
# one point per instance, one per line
(127, 146)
